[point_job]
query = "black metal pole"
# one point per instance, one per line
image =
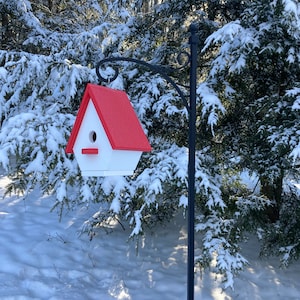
(191, 165)
(191, 108)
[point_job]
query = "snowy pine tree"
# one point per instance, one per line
(49, 51)
(256, 76)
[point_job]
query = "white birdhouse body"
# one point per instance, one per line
(103, 140)
(108, 161)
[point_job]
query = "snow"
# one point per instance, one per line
(36, 165)
(42, 258)
(3, 73)
(212, 105)
(291, 7)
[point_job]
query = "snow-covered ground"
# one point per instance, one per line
(41, 258)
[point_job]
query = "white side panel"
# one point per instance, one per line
(89, 124)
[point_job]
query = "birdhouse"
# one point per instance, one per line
(107, 137)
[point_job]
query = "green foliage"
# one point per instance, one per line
(247, 113)
(282, 238)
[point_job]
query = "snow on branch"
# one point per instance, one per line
(218, 249)
(166, 166)
(211, 105)
(23, 10)
(225, 33)
(295, 92)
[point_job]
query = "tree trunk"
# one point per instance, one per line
(50, 4)
(273, 191)
(5, 35)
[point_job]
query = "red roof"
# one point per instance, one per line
(117, 116)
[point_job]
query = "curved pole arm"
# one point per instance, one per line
(154, 68)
